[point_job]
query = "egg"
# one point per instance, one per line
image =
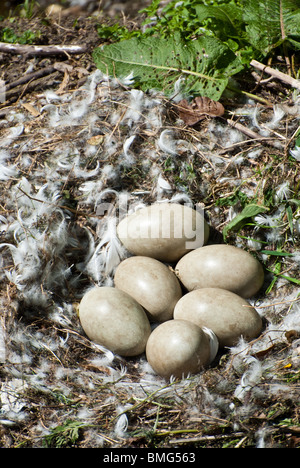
(221, 266)
(178, 348)
(112, 318)
(228, 315)
(151, 283)
(164, 231)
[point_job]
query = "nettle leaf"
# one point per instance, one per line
(157, 63)
(270, 23)
(227, 19)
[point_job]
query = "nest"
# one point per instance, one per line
(63, 152)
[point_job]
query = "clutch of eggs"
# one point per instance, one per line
(198, 306)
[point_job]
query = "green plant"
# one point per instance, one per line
(9, 35)
(202, 43)
(292, 377)
(260, 26)
(203, 66)
(64, 435)
(115, 32)
(27, 8)
(237, 197)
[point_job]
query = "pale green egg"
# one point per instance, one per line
(112, 318)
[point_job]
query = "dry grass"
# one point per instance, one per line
(59, 389)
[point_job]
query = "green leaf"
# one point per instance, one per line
(116, 32)
(289, 214)
(241, 219)
(276, 253)
(157, 63)
(225, 12)
(289, 278)
(270, 23)
(276, 273)
(295, 201)
(226, 19)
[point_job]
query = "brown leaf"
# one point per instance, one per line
(263, 352)
(198, 109)
(291, 335)
(30, 108)
(96, 140)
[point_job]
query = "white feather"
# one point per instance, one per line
(106, 358)
(129, 158)
(25, 257)
(166, 143)
(213, 342)
(261, 437)
(77, 109)
(283, 192)
(15, 278)
(250, 111)
(163, 184)
(108, 253)
(85, 174)
(177, 94)
(13, 133)
(127, 80)
(6, 171)
(2, 345)
(295, 153)
(182, 198)
(51, 96)
(135, 107)
(278, 115)
(121, 426)
(250, 378)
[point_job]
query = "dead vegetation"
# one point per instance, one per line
(62, 152)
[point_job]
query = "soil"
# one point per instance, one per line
(74, 26)
(57, 388)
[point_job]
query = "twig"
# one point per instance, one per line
(250, 95)
(277, 74)
(238, 145)
(175, 432)
(30, 76)
(206, 438)
(24, 49)
(251, 133)
(245, 130)
(240, 443)
(14, 93)
(145, 400)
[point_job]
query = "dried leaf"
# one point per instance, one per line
(263, 352)
(198, 109)
(95, 368)
(64, 82)
(63, 67)
(291, 335)
(33, 110)
(96, 140)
